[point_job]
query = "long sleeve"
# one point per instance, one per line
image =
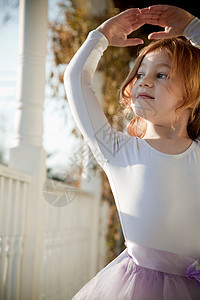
(192, 32)
(88, 114)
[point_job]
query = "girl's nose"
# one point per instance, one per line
(146, 81)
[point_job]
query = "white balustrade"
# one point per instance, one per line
(67, 239)
(13, 204)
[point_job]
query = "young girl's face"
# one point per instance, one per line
(152, 92)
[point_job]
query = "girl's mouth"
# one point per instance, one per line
(144, 96)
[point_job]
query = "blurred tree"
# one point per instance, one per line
(8, 10)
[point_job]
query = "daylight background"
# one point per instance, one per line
(58, 141)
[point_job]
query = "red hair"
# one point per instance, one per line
(186, 64)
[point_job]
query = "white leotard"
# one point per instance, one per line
(157, 195)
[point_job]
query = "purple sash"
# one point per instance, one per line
(164, 261)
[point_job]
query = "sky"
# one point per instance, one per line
(58, 121)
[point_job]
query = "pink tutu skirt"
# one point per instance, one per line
(141, 273)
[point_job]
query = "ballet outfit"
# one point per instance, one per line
(157, 195)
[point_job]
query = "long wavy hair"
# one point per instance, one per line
(186, 65)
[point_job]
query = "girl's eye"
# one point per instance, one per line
(139, 75)
(162, 76)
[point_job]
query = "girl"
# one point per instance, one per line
(154, 171)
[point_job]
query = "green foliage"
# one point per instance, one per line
(67, 39)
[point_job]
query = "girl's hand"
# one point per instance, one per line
(172, 18)
(118, 27)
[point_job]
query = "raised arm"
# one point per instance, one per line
(86, 110)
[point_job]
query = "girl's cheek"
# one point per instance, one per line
(133, 94)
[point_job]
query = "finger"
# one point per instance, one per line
(158, 8)
(152, 21)
(151, 11)
(145, 11)
(133, 42)
(151, 18)
(146, 16)
(158, 35)
(130, 12)
(137, 25)
(134, 18)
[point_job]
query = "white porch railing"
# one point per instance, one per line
(67, 242)
(13, 204)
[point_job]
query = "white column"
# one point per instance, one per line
(31, 75)
(28, 154)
